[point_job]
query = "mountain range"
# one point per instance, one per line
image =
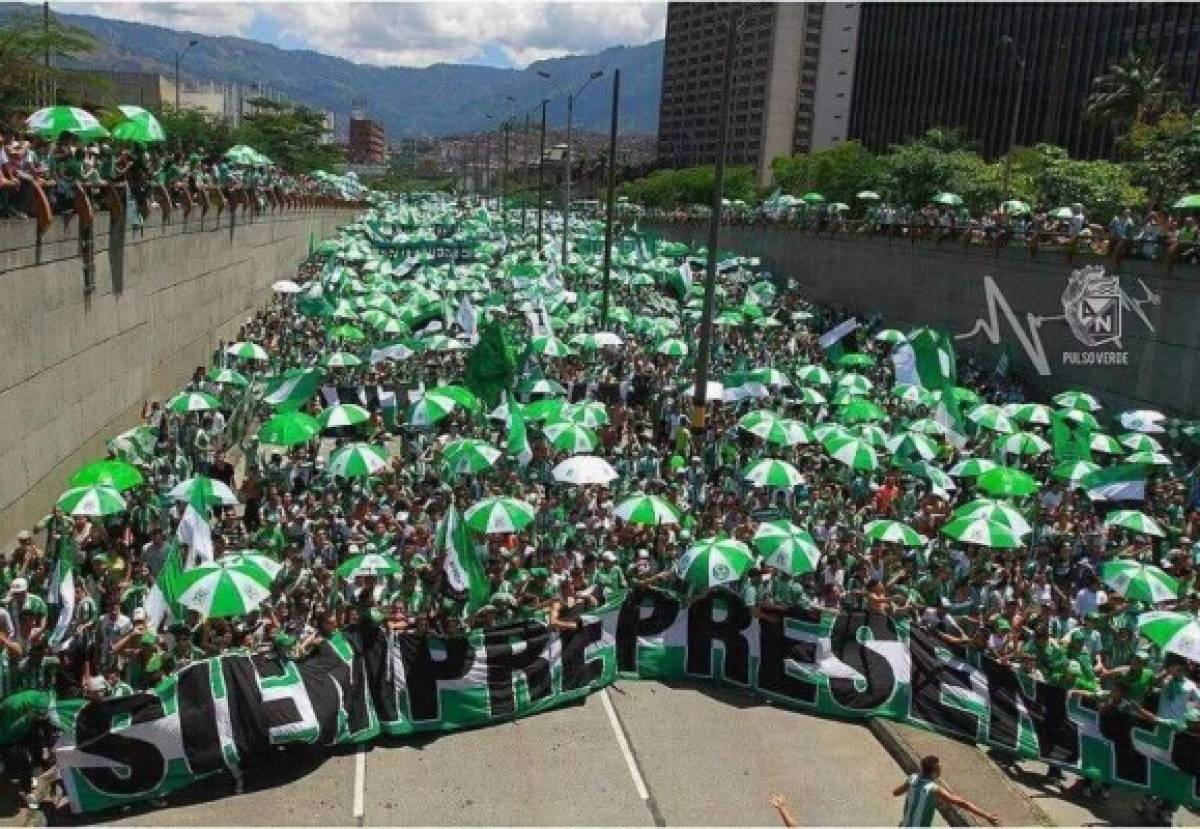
(442, 99)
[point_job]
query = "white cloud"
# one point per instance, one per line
(411, 33)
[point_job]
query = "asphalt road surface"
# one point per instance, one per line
(637, 754)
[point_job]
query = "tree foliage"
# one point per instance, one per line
(24, 41)
(1164, 157)
(290, 135)
(1136, 90)
(690, 185)
(837, 173)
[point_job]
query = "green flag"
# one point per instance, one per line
(62, 586)
(518, 435)
(163, 601)
(934, 357)
(464, 569)
(289, 391)
(491, 364)
(1123, 482)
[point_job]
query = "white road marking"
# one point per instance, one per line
(360, 782)
(619, 733)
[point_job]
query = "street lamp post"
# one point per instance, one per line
(566, 240)
(704, 354)
(612, 186)
(1011, 45)
(541, 177)
(525, 177)
(178, 58)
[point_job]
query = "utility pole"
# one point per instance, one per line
(179, 57)
(525, 176)
(566, 240)
(541, 177)
(609, 208)
(504, 178)
(704, 357)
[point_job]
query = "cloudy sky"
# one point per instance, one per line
(510, 34)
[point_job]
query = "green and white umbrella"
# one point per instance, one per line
(1148, 458)
(549, 345)
(91, 500)
(771, 377)
(1005, 480)
(499, 515)
(912, 393)
(853, 452)
(357, 460)
(228, 377)
(1139, 582)
(854, 383)
(990, 416)
(1135, 521)
(219, 592)
(545, 385)
(983, 532)
(257, 565)
(993, 510)
(714, 561)
(893, 532)
(582, 470)
(368, 564)
(343, 414)
(1028, 412)
(432, 407)
(972, 467)
(773, 473)
(204, 490)
(1077, 400)
(193, 401)
(1106, 444)
(1024, 443)
(1080, 418)
(588, 413)
(1074, 471)
(53, 121)
(1177, 633)
(927, 426)
(912, 443)
(140, 126)
(342, 359)
(673, 348)
(862, 411)
(570, 437)
(787, 547)
(872, 434)
(468, 456)
(110, 472)
(815, 375)
(807, 396)
(1137, 442)
(650, 510)
(600, 339)
(247, 351)
(289, 429)
(891, 336)
(948, 199)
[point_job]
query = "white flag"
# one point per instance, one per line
(467, 319)
(905, 361)
(194, 531)
(835, 334)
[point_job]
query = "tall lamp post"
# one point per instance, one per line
(567, 168)
(704, 355)
(1009, 44)
(541, 168)
(525, 178)
(612, 186)
(179, 57)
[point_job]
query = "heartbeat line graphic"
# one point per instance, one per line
(1028, 333)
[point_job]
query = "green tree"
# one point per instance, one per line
(194, 129)
(290, 135)
(1136, 90)
(1164, 157)
(690, 185)
(837, 173)
(24, 42)
(1102, 187)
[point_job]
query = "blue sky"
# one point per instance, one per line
(503, 33)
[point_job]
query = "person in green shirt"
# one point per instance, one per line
(608, 576)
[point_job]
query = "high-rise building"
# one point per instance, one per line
(367, 141)
(776, 59)
(923, 65)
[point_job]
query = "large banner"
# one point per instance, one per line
(233, 710)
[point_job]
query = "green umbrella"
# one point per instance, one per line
(1024, 443)
(549, 409)
(139, 126)
(912, 393)
(247, 351)
(893, 532)
(815, 375)
(544, 386)
(460, 395)
(257, 565)
(343, 414)
(117, 474)
(289, 429)
(53, 121)
(673, 348)
(891, 336)
(357, 460)
(1109, 445)
(993, 510)
(499, 515)
(807, 396)
(228, 377)
(1137, 442)
(570, 437)
(216, 591)
(1139, 582)
(347, 332)
(983, 532)
(468, 456)
(948, 199)
(1149, 458)
(368, 564)
(1189, 202)
(431, 408)
(550, 346)
(990, 416)
(773, 473)
(1029, 412)
(204, 491)
(787, 547)
(853, 452)
(1134, 520)
(91, 500)
(1074, 471)
(912, 443)
(1177, 633)
(972, 467)
(862, 411)
(193, 401)
(1081, 418)
(854, 383)
(1005, 480)
(812, 198)
(856, 358)
(1074, 399)
(714, 561)
(243, 155)
(588, 413)
(651, 510)
(342, 359)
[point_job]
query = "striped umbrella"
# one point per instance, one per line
(499, 515)
(787, 547)
(891, 336)
(853, 452)
(673, 348)
(854, 383)
(549, 345)
(357, 460)
(893, 532)
(110, 472)
(989, 416)
(228, 377)
(217, 592)
(468, 456)
(1024, 443)
(773, 473)
(342, 359)
(588, 413)
(647, 509)
(1149, 458)
(193, 401)
(1074, 471)
(247, 351)
(972, 467)
(1177, 633)
(343, 414)
(1109, 445)
(993, 510)
(912, 393)
(257, 564)
(91, 500)
(1135, 521)
(1028, 412)
(368, 564)
(139, 126)
(807, 396)
(431, 408)
(1140, 582)
(1137, 442)
(714, 561)
(544, 386)
(1077, 400)
(51, 122)
(289, 429)
(873, 435)
(927, 426)
(570, 437)
(204, 490)
(815, 375)
(983, 532)
(912, 443)
(1081, 418)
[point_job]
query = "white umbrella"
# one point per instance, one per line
(285, 286)
(584, 469)
(714, 392)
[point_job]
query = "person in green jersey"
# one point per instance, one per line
(923, 794)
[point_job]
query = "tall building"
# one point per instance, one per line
(367, 143)
(921, 65)
(776, 59)
(835, 74)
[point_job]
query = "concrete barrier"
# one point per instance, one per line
(93, 325)
(1138, 340)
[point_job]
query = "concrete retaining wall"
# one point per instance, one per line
(947, 286)
(75, 366)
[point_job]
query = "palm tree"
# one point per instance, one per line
(1134, 91)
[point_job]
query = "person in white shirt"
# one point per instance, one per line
(1090, 598)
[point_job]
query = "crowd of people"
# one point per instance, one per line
(872, 522)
